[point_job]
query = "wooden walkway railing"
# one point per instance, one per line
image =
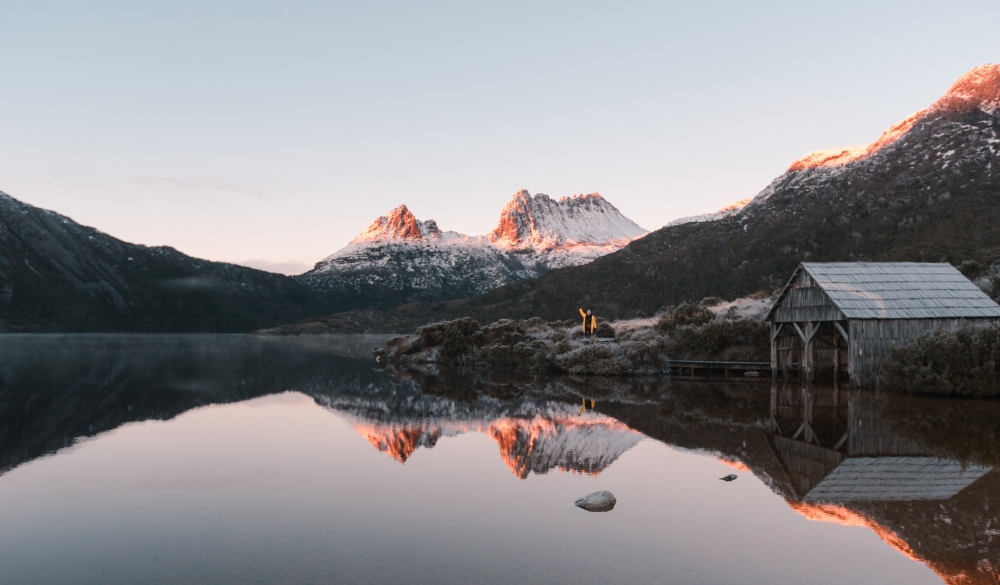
(694, 368)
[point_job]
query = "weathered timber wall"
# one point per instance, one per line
(873, 339)
(806, 302)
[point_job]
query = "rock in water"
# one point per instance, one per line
(602, 501)
(729, 477)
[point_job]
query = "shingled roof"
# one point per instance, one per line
(895, 479)
(897, 290)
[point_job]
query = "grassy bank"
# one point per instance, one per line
(643, 346)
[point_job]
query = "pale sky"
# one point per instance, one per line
(271, 133)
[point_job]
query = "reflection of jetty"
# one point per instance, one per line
(835, 447)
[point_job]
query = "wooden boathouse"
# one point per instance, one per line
(839, 319)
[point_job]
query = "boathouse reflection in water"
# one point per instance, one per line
(835, 447)
(845, 462)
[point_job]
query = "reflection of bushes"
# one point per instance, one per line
(965, 430)
(963, 362)
(735, 405)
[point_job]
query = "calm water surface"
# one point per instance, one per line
(230, 459)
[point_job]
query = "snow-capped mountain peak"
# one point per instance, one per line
(403, 259)
(979, 88)
(398, 224)
(541, 223)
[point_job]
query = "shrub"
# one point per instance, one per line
(504, 331)
(594, 359)
(605, 330)
(963, 362)
(727, 339)
(970, 268)
(684, 314)
(452, 337)
(994, 286)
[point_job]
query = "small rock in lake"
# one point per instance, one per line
(602, 501)
(729, 477)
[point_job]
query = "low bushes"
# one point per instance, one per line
(532, 346)
(723, 339)
(962, 363)
(684, 314)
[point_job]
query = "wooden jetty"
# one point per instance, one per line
(699, 368)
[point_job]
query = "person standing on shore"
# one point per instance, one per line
(589, 322)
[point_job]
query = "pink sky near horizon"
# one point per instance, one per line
(271, 134)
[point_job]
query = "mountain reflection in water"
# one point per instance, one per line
(918, 473)
(534, 435)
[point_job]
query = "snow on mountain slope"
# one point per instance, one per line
(977, 89)
(567, 232)
(400, 259)
(726, 211)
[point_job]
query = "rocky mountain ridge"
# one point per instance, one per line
(58, 275)
(401, 259)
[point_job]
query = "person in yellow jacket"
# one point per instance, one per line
(589, 322)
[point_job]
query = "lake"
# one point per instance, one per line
(239, 459)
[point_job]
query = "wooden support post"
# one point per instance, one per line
(836, 360)
(841, 330)
(847, 348)
(774, 349)
(807, 361)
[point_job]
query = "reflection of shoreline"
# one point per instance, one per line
(57, 389)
